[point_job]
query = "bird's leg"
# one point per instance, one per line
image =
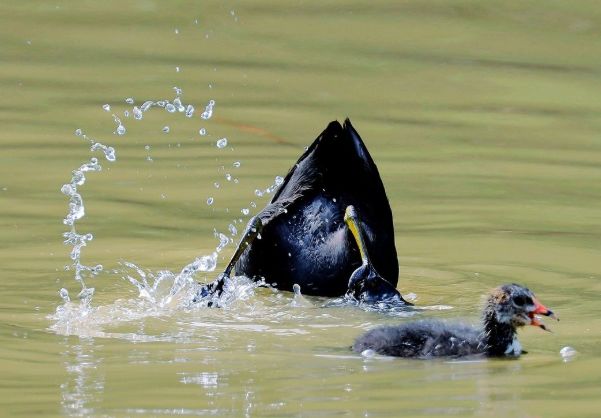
(253, 229)
(366, 284)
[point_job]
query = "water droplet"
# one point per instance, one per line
(217, 185)
(67, 189)
(176, 30)
(137, 113)
(236, 164)
(189, 111)
(210, 201)
(106, 107)
(78, 132)
(177, 69)
(245, 211)
(233, 230)
(64, 294)
(222, 143)
(223, 241)
(170, 108)
(258, 192)
(166, 129)
(369, 353)
(120, 130)
(253, 204)
(146, 105)
(279, 180)
(202, 131)
(236, 181)
(228, 176)
(129, 100)
(208, 112)
(126, 113)
(568, 354)
(178, 105)
(161, 103)
(86, 293)
(147, 147)
(109, 152)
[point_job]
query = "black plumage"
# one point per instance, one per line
(328, 228)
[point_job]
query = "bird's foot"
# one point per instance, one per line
(211, 292)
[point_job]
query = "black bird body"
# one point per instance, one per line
(423, 339)
(304, 239)
(507, 308)
(327, 229)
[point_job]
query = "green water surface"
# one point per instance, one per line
(484, 118)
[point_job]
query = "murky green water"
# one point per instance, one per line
(483, 117)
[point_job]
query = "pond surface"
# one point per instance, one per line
(484, 119)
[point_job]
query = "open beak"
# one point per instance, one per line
(540, 309)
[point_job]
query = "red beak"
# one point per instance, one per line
(540, 309)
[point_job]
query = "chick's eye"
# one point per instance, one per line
(520, 300)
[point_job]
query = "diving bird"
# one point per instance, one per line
(328, 227)
(507, 308)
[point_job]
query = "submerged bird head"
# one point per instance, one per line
(367, 286)
(515, 305)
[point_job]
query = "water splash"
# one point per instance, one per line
(162, 287)
(137, 112)
(109, 152)
(277, 182)
(163, 292)
(120, 129)
(151, 286)
(223, 241)
(208, 112)
(299, 301)
(76, 212)
(175, 105)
